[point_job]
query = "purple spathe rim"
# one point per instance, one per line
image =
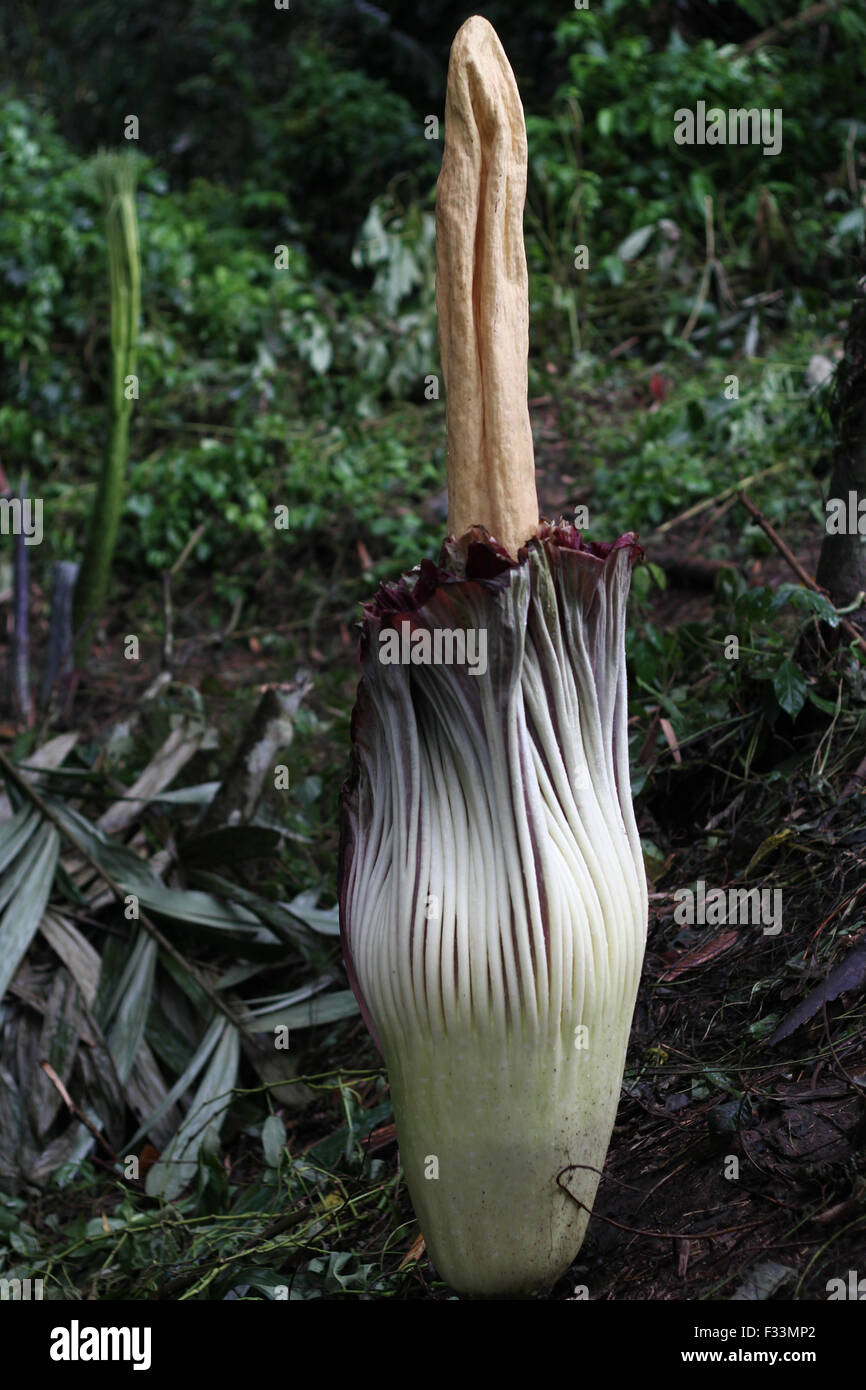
(477, 556)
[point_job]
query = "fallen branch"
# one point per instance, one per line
(712, 266)
(814, 15)
(719, 497)
(74, 1110)
(790, 558)
(691, 571)
(20, 666)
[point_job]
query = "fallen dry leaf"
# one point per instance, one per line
(667, 729)
(414, 1254)
(699, 955)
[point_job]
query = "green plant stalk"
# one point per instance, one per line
(116, 177)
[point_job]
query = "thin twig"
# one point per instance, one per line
(188, 548)
(795, 565)
(813, 15)
(707, 271)
(168, 630)
(79, 1114)
(656, 1235)
(719, 497)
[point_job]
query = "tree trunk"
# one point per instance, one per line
(842, 563)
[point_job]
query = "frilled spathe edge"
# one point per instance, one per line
(477, 556)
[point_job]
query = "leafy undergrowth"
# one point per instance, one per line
(738, 1150)
(689, 356)
(261, 1183)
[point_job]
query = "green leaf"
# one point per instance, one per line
(16, 832)
(767, 846)
(268, 1281)
(202, 794)
(183, 1083)
(630, 249)
(325, 1008)
(614, 269)
(324, 920)
(790, 686)
(701, 188)
(754, 604)
(273, 1140)
(179, 1163)
(604, 120)
(825, 706)
(275, 915)
(136, 876)
(130, 1004)
(807, 601)
(27, 890)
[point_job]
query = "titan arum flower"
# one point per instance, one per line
(492, 893)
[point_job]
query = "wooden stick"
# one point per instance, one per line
(795, 565)
(58, 654)
(813, 15)
(73, 1108)
(719, 497)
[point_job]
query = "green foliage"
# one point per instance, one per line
(52, 267)
(242, 92)
(338, 131)
(255, 380)
(303, 387)
(232, 352)
(696, 445)
(605, 166)
(728, 700)
(768, 641)
(399, 245)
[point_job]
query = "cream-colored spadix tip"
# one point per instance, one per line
(482, 293)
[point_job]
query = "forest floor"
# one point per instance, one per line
(734, 1169)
